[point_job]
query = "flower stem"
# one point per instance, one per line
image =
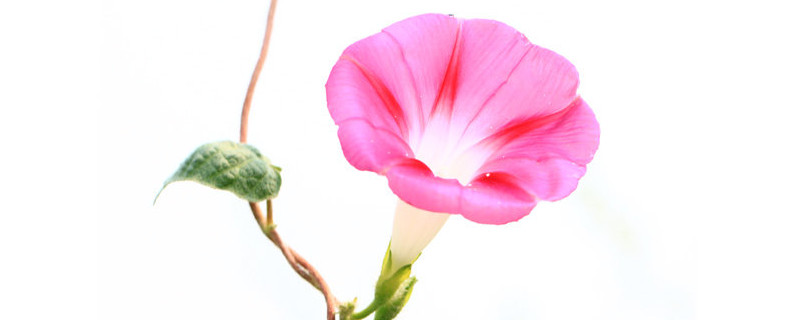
(366, 312)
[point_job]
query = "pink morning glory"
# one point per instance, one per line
(462, 117)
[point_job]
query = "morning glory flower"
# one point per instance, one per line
(462, 116)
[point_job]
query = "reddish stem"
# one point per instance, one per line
(330, 300)
(297, 262)
(300, 265)
(248, 99)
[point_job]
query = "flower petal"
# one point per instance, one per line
(370, 148)
(547, 155)
(495, 198)
(353, 92)
(502, 77)
(427, 43)
(491, 199)
(370, 134)
(409, 59)
(414, 183)
(386, 79)
(542, 83)
(489, 52)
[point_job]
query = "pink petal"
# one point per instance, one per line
(414, 183)
(427, 43)
(502, 77)
(371, 148)
(353, 92)
(487, 54)
(547, 155)
(495, 198)
(542, 83)
(492, 199)
(410, 59)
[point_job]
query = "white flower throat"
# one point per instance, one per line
(448, 151)
(412, 231)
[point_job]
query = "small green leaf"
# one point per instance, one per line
(231, 166)
(396, 303)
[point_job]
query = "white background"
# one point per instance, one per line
(688, 210)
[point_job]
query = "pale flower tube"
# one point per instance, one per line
(412, 230)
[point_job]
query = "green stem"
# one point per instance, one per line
(366, 312)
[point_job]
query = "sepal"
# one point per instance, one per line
(396, 303)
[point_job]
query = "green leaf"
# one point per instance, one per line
(231, 166)
(396, 303)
